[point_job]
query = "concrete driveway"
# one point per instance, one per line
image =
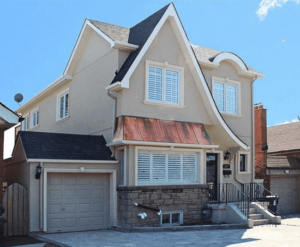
(286, 234)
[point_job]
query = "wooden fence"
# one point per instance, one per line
(15, 202)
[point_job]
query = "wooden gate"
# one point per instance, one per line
(15, 202)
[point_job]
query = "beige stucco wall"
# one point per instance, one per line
(241, 126)
(90, 108)
(165, 48)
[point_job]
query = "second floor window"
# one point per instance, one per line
(163, 85)
(35, 118)
(25, 123)
(63, 105)
(226, 98)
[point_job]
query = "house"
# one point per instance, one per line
(8, 119)
(175, 117)
(278, 161)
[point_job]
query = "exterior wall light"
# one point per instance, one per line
(226, 156)
(38, 171)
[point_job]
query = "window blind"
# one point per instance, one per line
(219, 95)
(155, 84)
(156, 167)
(231, 99)
(171, 90)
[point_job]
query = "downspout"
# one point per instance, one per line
(252, 133)
(41, 199)
(114, 116)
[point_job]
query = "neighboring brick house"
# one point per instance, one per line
(278, 162)
(8, 119)
(173, 114)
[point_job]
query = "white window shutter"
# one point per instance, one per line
(171, 87)
(158, 167)
(189, 167)
(144, 168)
(155, 84)
(231, 99)
(174, 167)
(219, 95)
(155, 167)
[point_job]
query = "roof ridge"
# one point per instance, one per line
(282, 124)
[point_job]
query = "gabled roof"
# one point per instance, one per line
(284, 137)
(56, 146)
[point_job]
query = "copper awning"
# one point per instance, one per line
(162, 131)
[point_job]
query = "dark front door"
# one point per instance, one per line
(211, 174)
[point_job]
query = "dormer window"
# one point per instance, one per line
(164, 84)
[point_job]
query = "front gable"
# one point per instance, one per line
(221, 130)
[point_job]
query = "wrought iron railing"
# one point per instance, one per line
(229, 193)
(258, 193)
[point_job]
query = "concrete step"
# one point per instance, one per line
(251, 210)
(255, 216)
(261, 222)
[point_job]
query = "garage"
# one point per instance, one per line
(77, 201)
(286, 188)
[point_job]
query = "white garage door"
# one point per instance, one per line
(77, 202)
(286, 189)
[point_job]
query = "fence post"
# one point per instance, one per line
(226, 192)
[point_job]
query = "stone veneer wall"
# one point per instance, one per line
(188, 198)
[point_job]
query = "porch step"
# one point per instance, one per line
(255, 216)
(261, 222)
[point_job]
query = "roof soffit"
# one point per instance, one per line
(172, 16)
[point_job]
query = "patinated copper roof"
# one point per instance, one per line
(156, 130)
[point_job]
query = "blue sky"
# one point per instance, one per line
(37, 38)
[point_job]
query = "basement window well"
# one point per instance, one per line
(171, 218)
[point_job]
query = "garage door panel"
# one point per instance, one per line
(70, 194)
(54, 208)
(84, 193)
(77, 202)
(55, 223)
(55, 194)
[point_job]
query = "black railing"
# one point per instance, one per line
(258, 193)
(229, 193)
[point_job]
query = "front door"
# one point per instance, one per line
(212, 173)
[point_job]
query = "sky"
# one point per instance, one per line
(38, 36)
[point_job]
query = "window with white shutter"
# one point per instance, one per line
(226, 96)
(63, 105)
(156, 167)
(164, 84)
(35, 118)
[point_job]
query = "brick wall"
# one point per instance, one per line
(260, 131)
(188, 198)
(1, 164)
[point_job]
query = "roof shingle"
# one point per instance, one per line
(41, 145)
(284, 137)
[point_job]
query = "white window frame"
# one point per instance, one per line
(180, 212)
(35, 117)
(227, 81)
(199, 165)
(247, 163)
(165, 66)
(26, 123)
(58, 107)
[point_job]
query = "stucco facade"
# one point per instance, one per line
(107, 78)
